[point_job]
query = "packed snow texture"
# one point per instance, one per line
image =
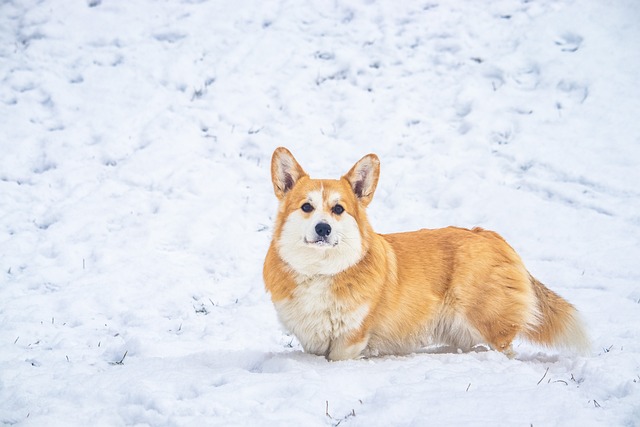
(136, 204)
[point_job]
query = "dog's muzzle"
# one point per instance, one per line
(323, 236)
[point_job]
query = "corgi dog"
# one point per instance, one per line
(347, 292)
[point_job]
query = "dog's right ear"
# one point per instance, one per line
(285, 171)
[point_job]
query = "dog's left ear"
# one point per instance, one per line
(363, 178)
(285, 171)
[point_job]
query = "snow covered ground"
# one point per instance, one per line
(136, 205)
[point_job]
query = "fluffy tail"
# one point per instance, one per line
(559, 322)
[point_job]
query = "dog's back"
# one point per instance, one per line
(464, 287)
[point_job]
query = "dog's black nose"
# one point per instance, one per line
(323, 229)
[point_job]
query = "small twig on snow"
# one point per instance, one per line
(545, 374)
(346, 417)
(121, 362)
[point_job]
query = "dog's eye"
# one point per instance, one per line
(306, 207)
(337, 209)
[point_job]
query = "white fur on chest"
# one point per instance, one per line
(317, 318)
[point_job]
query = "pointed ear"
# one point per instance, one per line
(363, 177)
(285, 171)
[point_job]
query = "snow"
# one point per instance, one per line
(136, 205)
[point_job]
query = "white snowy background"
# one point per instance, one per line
(136, 204)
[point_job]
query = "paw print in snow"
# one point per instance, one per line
(527, 77)
(575, 91)
(569, 94)
(569, 42)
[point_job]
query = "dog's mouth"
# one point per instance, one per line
(320, 242)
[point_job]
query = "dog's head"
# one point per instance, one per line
(321, 226)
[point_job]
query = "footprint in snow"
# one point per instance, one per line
(527, 77)
(569, 42)
(574, 90)
(570, 93)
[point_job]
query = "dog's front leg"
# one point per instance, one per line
(347, 347)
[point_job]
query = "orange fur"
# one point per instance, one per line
(374, 294)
